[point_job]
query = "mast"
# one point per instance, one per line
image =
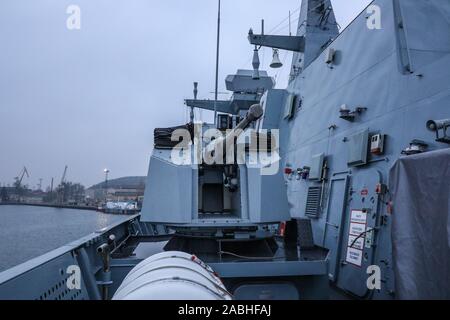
(217, 66)
(317, 24)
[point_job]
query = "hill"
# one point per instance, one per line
(136, 182)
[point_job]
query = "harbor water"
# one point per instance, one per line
(27, 232)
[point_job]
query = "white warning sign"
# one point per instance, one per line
(355, 242)
(356, 237)
(359, 216)
(357, 228)
(354, 256)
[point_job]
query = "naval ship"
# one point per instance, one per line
(337, 186)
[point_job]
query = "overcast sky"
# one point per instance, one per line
(90, 98)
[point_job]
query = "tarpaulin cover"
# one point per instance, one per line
(420, 188)
(163, 136)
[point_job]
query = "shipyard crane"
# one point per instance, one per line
(20, 176)
(61, 187)
(63, 178)
(18, 181)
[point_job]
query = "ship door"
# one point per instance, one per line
(334, 221)
(357, 250)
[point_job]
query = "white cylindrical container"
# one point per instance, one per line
(172, 275)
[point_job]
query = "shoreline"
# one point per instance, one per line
(87, 208)
(49, 205)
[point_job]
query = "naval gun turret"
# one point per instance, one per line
(221, 190)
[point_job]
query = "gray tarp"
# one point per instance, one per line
(420, 188)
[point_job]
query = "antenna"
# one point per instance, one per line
(217, 65)
(290, 33)
(195, 98)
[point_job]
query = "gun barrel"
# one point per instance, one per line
(254, 113)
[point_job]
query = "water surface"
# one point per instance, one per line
(27, 232)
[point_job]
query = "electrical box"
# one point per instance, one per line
(290, 107)
(329, 55)
(358, 148)
(315, 172)
(377, 144)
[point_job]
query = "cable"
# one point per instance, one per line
(249, 258)
(360, 236)
(275, 28)
(282, 28)
(320, 4)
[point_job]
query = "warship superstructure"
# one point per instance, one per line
(352, 198)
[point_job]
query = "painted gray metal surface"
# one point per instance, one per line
(270, 269)
(167, 197)
(400, 78)
(369, 71)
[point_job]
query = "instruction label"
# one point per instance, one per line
(354, 256)
(356, 244)
(356, 237)
(359, 216)
(357, 228)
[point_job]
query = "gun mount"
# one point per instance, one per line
(217, 192)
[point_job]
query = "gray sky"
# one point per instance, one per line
(90, 98)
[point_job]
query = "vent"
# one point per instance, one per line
(60, 291)
(313, 202)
